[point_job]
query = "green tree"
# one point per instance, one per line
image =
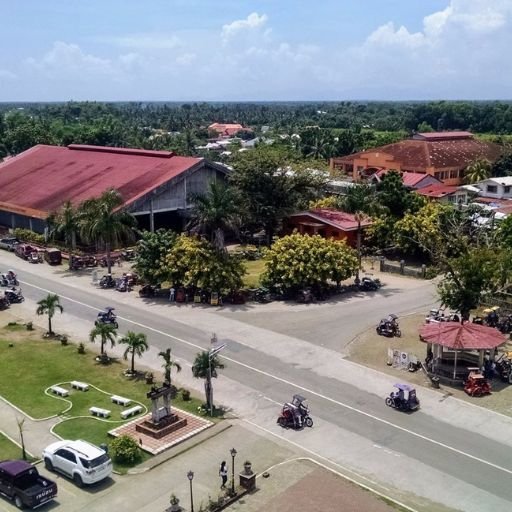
(106, 333)
(395, 197)
(195, 262)
(361, 198)
(296, 261)
(169, 364)
(136, 345)
(216, 212)
(205, 367)
(49, 306)
(417, 232)
(272, 185)
(471, 276)
(102, 220)
(502, 166)
(150, 253)
(478, 170)
(65, 224)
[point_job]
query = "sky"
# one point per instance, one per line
(259, 50)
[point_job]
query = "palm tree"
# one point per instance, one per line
(49, 306)
(65, 223)
(137, 345)
(102, 220)
(169, 364)
(205, 367)
(478, 170)
(106, 332)
(215, 212)
(360, 198)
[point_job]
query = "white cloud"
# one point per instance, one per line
(186, 59)
(253, 21)
(7, 75)
(70, 57)
(149, 41)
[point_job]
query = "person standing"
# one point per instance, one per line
(172, 294)
(223, 473)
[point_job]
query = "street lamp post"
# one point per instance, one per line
(233, 455)
(190, 476)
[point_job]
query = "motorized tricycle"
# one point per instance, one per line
(504, 367)
(369, 284)
(295, 414)
(14, 295)
(476, 384)
(404, 398)
(107, 317)
(389, 327)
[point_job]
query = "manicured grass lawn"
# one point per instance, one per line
(254, 270)
(32, 365)
(8, 449)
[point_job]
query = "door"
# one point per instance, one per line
(65, 461)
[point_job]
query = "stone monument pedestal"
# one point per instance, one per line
(248, 481)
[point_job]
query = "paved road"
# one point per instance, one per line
(417, 458)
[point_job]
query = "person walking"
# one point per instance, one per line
(223, 473)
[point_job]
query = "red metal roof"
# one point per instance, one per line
(409, 179)
(418, 155)
(444, 135)
(341, 220)
(437, 190)
(466, 336)
(42, 178)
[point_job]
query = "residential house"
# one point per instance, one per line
(495, 188)
(446, 194)
(411, 180)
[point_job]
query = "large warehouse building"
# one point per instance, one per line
(156, 186)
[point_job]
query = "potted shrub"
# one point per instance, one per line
(175, 504)
(81, 348)
(150, 379)
(185, 394)
(248, 467)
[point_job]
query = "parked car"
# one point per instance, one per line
(21, 482)
(80, 460)
(9, 243)
(53, 256)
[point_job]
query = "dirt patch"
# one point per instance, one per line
(371, 350)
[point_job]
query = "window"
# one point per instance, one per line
(437, 175)
(454, 174)
(66, 454)
(451, 199)
(506, 190)
(492, 189)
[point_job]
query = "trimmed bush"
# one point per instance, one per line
(26, 235)
(125, 450)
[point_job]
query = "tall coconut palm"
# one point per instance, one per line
(49, 306)
(106, 333)
(137, 345)
(360, 198)
(169, 364)
(102, 220)
(215, 212)
(205, 367)
(478, 170)
(65, 223)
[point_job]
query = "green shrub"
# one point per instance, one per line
(81, 348)
(27, 235)
(125, 450)
(185, 394)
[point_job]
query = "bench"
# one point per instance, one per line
(82, 386)
(98, 411)
(131, 412)
(120, 400)
(59, 391)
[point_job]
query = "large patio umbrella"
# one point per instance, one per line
(461, 336)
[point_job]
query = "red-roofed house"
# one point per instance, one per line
(412, 180)
(226, 130)
(327, 223)
(449, 194)
(155, 185)
(444, 155)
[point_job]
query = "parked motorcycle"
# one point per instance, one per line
(437, 315)
(369, 284)
(107, 317)
(9, 279)
(4, 303)
(389, 327)
(107, 281)
(14, 296)
(504, 367)
(147, 290)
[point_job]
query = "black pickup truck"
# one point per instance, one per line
(21, 482)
